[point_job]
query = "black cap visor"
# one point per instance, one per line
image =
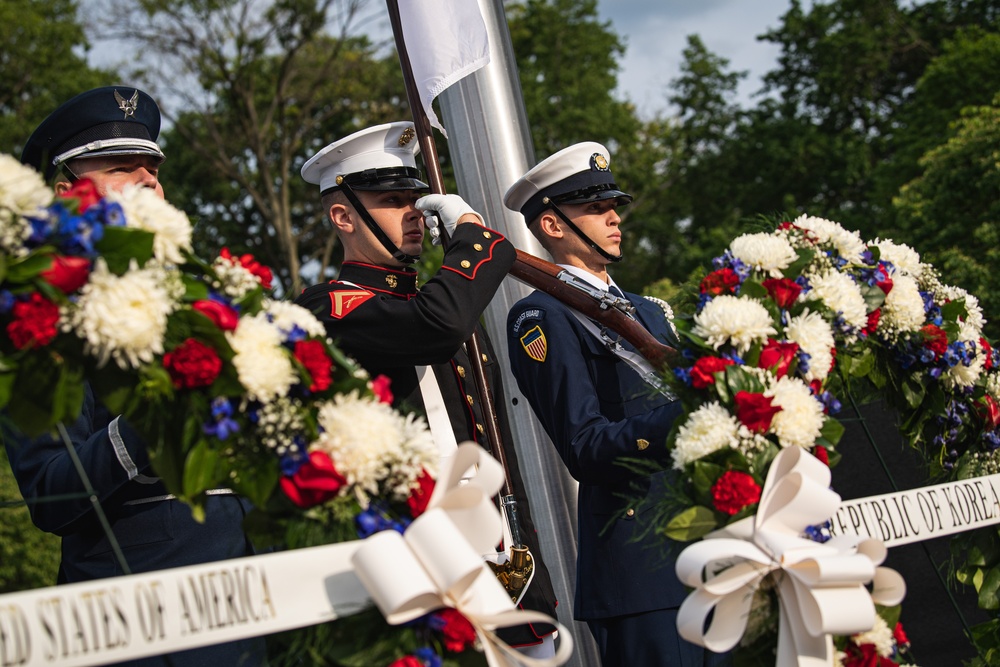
(383, 179)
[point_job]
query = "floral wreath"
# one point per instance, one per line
(229, 387)
(785, 325)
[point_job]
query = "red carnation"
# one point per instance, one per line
(408, 661)
(67, 274)
(34, 322)
(248, 262)
(935, 339)
(312, 355)
(784, 291)
(458, 632)
(85, 192)
(755, 410)
(865, 655)
(192, 364)
(222, 315)
(380, 387)
(723, 281)
(821, 453)
(873, 318)
(988, 351)
(420, 496)
(777, 356)
(899, 636)
(315, 482)
(703, 371)
(733, 491)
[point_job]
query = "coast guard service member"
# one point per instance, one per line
(371, 192)
(109, 136)
(596, 409)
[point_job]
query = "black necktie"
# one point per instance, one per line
(616, 292)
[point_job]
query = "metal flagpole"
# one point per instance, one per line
(490, 145)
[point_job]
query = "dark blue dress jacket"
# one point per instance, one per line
(597, 410)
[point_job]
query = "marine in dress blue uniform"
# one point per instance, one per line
(153, 529)
(597, 411)
(377, 314)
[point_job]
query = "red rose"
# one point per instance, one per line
(873, 318)
(778, 355)
(988, 351)
(899, 636)
(34, 322)
(458, 632)
(865, 655)
(248, 262)
(989, 411)
(755, 410)
(221, 315)
(821, 453)
(784, 291)
(420, 496)
(67, 274)
(85, 192)
(315, 482)
(192, 364)
(723, 281)
(312, 355)
(733, 491)
(703, 371)
(380, 387)
(935, 339)
(408, 661)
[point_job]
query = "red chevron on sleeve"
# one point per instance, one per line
(344, 301)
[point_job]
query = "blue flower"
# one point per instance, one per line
(428, 656)
(222, 425)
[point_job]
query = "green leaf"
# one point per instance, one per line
(23, 270)
(704, 474)
(913, 392)
(121, 244)
(988, 590)
(831, 432)
(201, 469)
(691, 524)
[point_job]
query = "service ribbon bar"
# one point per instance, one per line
(923, 513)
(110, 620)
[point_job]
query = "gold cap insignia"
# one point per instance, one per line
(390, 280)
(340, 180)
(641, 444)
(599, 162)
(407, 136)
(129, 106)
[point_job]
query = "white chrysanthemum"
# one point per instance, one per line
(880, 636)
(708, 429)
(765, 252)
(263, 365)
(993, 384)
(376, 448)
(800, 420)
(964, 376)
(234, 280)
(841, 295)
(124, 317)
(971, 326)
(848, 243)
(903, 309)
(22, 192)
(145, 210)
(901, 256)
(815, 337)
(736, 320)
(286, 316)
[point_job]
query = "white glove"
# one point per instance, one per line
(446, 208)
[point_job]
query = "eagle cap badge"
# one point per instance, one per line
(407, 136)
(129, 106)
(598, 162)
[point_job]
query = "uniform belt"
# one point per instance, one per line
(170, 496)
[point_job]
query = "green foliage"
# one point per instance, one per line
(41, 65)
(29, 558)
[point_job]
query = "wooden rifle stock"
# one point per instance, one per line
(543, 275)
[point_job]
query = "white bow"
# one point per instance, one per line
(821, 587)
(437, 562)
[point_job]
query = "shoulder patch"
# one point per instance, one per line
(531, 314)
(342, 302)
(534, 343)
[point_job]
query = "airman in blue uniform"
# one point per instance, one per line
(598, 410)
(109, 136)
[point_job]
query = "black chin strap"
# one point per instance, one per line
(565, 218)
(380, 235)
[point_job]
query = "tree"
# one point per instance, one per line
(952, 212)
(29, 558)
(253, 91)
(40, 65)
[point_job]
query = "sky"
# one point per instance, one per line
(655, 32)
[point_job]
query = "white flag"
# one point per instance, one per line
(445, 40)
